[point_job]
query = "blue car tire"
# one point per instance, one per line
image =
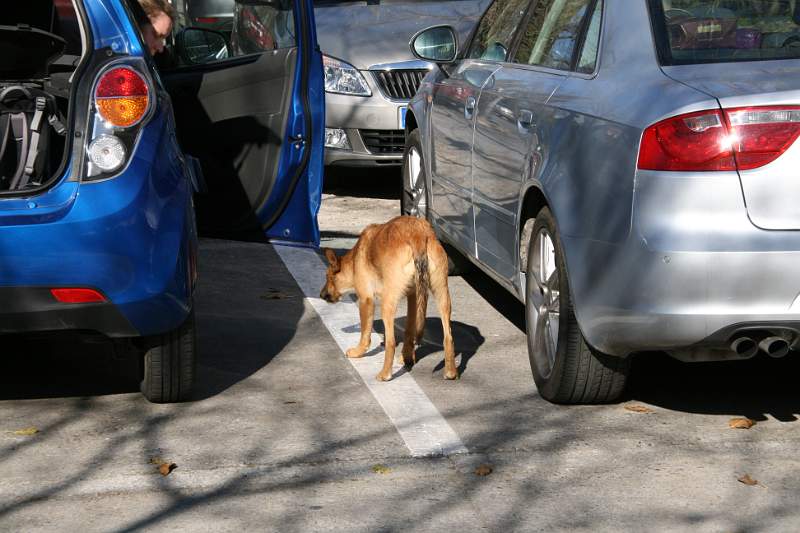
(169, 364)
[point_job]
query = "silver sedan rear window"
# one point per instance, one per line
(716, 31)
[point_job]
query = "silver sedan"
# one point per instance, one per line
(626, 168)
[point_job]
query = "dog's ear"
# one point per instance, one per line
(332, 258)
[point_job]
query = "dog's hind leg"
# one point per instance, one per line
(409, 355)
(366, 312)
(388, 308)
(437, 272)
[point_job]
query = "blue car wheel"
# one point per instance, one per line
(169, 364)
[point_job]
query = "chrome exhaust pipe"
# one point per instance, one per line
(745, 347)
(774, 346)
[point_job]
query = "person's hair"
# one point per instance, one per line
(153, 7)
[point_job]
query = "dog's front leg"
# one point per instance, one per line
(366, 311)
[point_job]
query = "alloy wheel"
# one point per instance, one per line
(544, 309)
(416, 184)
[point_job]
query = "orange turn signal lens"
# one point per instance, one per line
(123, 111)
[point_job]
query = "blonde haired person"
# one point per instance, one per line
(155, 19)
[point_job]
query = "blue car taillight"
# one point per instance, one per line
(122, 101)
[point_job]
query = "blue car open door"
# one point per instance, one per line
(249, 105)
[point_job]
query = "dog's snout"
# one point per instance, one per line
(326, 295)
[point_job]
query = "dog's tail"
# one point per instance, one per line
(421, 278)
(421, 287)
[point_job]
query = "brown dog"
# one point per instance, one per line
(400, 257)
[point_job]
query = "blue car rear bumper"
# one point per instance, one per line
(132, 237)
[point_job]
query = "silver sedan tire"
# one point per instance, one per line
(565, 368)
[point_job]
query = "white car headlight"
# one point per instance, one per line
(343, 78)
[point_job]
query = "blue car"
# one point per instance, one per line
(104, 156)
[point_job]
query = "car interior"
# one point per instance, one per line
(231, 102)
(729, 30)
(40, 48)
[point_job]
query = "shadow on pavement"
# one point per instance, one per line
(328, 234)
(753, 388)
(466, 339)
(498, 297)
(247, 310)
(368, 182)
(62, 366)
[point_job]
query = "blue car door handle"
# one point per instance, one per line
(469, 107)
(525, 120)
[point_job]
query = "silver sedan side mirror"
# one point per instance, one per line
(437, 44)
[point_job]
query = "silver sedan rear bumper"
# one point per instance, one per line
(694, 270)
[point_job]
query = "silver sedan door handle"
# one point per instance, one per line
(525, 121)
(469, 107)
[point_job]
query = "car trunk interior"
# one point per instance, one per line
(40, 48)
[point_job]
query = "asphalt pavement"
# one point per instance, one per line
(286, 434)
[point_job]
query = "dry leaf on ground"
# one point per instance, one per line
(484, 470)
(747, 480)
(166, 468)
(741, 423)
(638, 408)
(27, 432)
(381, 469)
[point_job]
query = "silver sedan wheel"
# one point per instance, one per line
(416, 184)
(544, 308)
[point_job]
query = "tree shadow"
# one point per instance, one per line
(567, 449)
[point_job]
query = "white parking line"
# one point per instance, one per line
(419, 423)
